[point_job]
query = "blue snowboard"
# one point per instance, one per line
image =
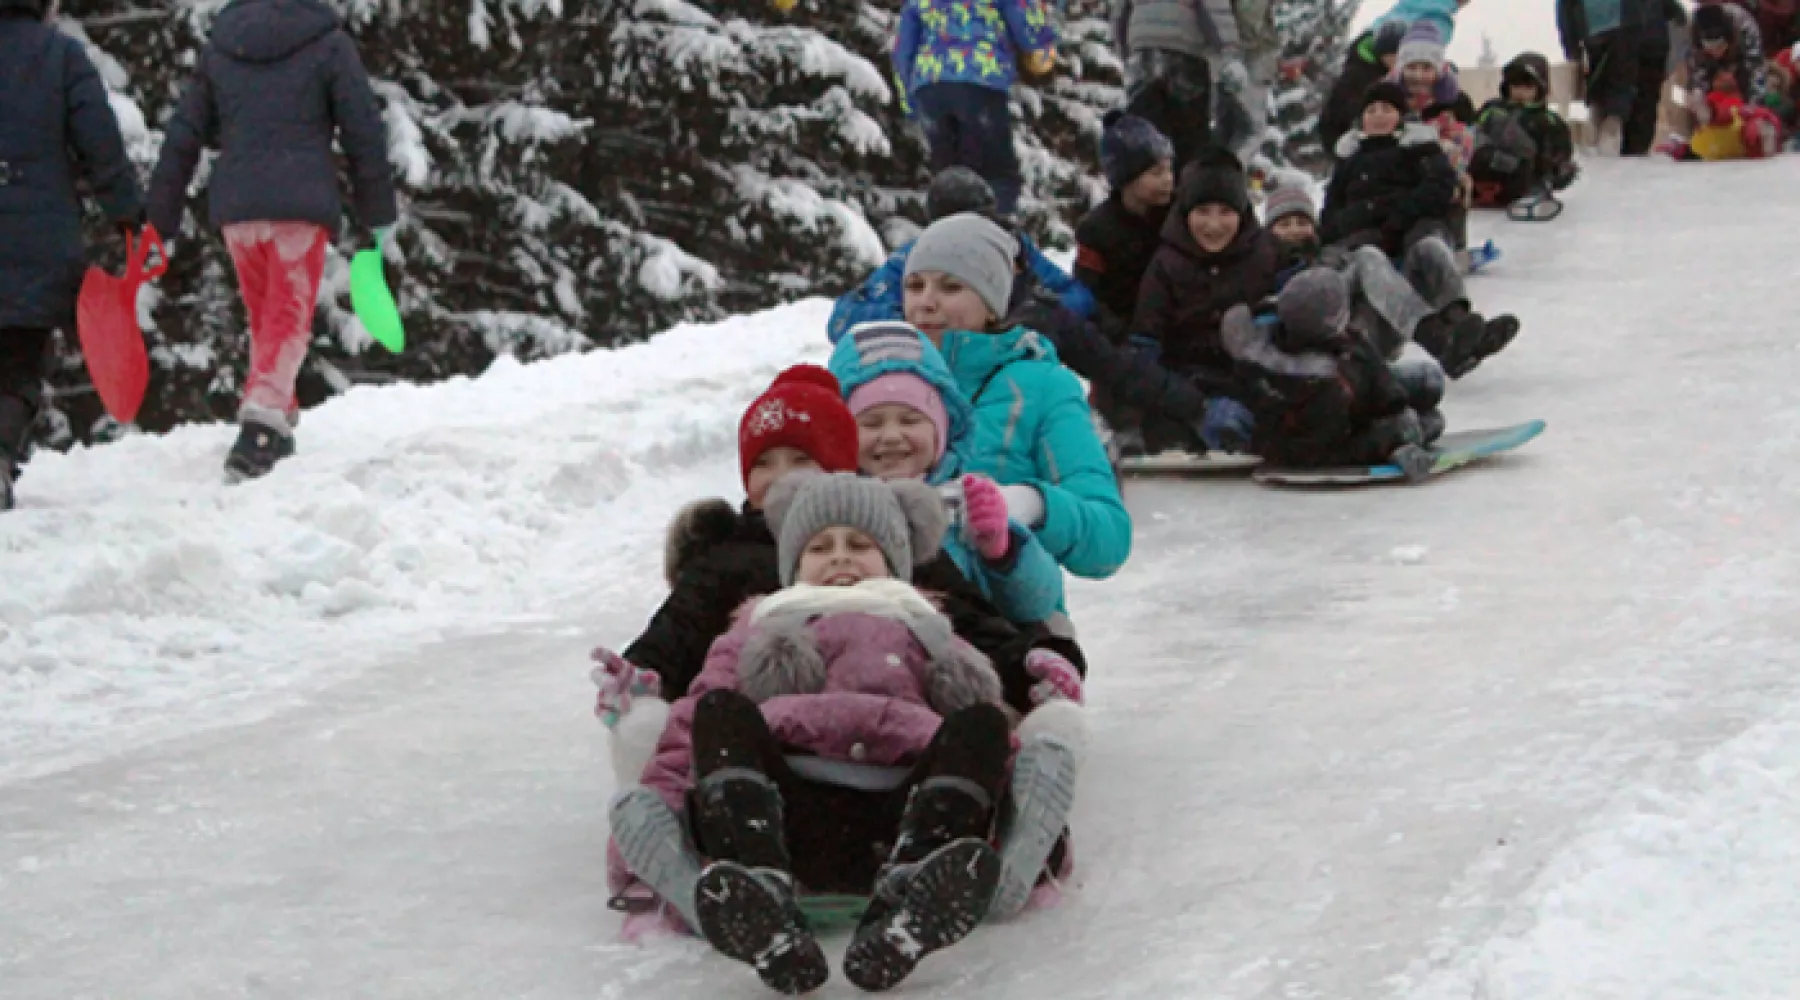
(1453, 451)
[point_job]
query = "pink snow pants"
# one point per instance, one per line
(278, 267)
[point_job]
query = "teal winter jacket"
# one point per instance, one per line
(1026, 585)
(1033, 426)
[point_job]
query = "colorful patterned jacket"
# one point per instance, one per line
(972, 41)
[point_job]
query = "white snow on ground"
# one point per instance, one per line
(145, 597)
(1528, 731)
(1688, 888)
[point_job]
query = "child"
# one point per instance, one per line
(1393, 191)
(1527, 151)
(1434, 96)
(1114, 242)
(55, 127)
(1603, 36)
(1725, 39)
(1730, 128)
(1336, 402)
(276, 83)
(839, 714)
(914, 423)
(1214, 255)
(956, 61)
(1369, 60)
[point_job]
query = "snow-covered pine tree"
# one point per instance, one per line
(1316, 35)
(1058, 124)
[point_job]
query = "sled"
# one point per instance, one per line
(106, 322)
(1182, 463)
(1535, 208)
(1481, 256)
(828, 913)
(374, 301)
(1453, 451)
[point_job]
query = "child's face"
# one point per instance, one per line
(937, 303)
(1293, 230)
(841, 557)
(772, 465)
(1213, 226)
(1523, 93)
(1419, 77)
(1154, 187)
(1380, 119)
(895, 441)
(1717, 48)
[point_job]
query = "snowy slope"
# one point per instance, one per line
(1526, 732)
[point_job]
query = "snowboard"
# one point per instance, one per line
(1453, 451)
(1182, 463)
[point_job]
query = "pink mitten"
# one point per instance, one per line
(984, 511)
(1057, 677)
(619, 682)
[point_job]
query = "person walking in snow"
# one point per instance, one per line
(1034, 433)
(1661, 19)
(1185, 73)
(956, 61)
(1603, 37)
(278, 82)
(56, 130)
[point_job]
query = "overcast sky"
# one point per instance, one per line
(1515, 26)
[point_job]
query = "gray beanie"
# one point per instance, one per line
(972, 249)
(1314, 309)
(905, 518)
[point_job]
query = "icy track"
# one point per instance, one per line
(1532, 731)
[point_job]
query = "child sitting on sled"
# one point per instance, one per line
(1335, 400)
(838, 715)
(1730, 128)
(1525, 152)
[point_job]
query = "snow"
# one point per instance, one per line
(1531, 730)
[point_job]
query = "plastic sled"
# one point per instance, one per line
(374, 301)
(829, 913)
(1182, 463)
(1535, 208)
(1454, 450)
(106, 321)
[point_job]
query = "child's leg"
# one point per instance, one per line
(1430, 266)
(1640, 123)
(22, 354)
(1385, 297)
(279, 265)
(942, 121)
(988, 145)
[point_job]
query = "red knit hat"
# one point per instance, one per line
(803, 408)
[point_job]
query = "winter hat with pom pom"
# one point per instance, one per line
(802, 409)
(1129, 147)
(905, 519)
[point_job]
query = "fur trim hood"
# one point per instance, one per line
(697, 527)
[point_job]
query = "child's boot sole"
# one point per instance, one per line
(946, 898)
(1043, 795)
(745, 919)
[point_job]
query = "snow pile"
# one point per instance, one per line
(137, 582)
(1685, 890)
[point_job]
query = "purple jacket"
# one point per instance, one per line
(860, 674)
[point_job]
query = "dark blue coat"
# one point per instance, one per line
(55, 124)
(276, 82)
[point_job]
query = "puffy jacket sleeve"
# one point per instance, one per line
(906, 50)
(193, 127)
(1086, 527)
(670, 771)
(1075, 296)
(94, 134)
(975, 620)
(697, 611)
(1027, 584)
(1128, 375)
(363, 134)
(881, 297)
(1156, 301)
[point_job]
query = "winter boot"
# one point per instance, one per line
(1611, 137)
(1421, 380)
(1431, 425)
(15, 436)
(935, 888)
(1416, 462)
(655, 847)
(1039, 801)
(258, 448)
(1450, 335)
(1496, 334)
(745, 905)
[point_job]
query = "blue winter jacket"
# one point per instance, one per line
(969, 41)
(276, 83)
(55, 127)
(1026, 585)
(1033, 426)
(882, 295)
(1439, 12)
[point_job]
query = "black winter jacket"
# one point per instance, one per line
(1113, 248)
(1343, 108)
(716, 558)
(1123, 374)
(278, 80)
(1386, 185)
(1187, 292)
(55, 127)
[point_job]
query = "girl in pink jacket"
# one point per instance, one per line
(841, 738)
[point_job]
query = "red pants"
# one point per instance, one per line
(278, 267)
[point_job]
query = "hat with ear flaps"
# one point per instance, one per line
(905, 518)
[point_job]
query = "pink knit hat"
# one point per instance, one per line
(907, 390)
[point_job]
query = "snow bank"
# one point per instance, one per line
(144, 597)
(1690, 889)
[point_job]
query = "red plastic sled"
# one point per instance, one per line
(106, 319)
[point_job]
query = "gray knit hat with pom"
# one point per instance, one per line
(905, 518)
